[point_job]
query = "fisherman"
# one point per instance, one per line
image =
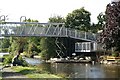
(15, 60)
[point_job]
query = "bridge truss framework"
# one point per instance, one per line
(27, 29)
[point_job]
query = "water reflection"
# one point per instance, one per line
(78, 70)
(112, 71)
(32, 61)
(75, 70)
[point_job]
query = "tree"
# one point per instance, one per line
(100, 24)
(4, 44)
(18, 44)
(56, 19)
(110, 37)
(48, 46)
(101, 21)
(32, 46)
(94, 28)
(78, 19)
(59, 41)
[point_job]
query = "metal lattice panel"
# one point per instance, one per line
(42, 29)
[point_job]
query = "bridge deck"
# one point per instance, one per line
(43, 29)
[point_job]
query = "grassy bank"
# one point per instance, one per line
(34, 72)
(0, 70)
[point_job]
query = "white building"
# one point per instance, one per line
(85, 46)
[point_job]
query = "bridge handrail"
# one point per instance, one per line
(63, 32)
(31, 23)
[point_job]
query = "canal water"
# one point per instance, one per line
(78, 70)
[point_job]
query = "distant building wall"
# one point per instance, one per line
(85, 46)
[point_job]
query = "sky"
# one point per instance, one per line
(44, 9)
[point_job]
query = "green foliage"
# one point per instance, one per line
(4, 45)
(115, 53)
(34, 72)
(47, 45)
(57, 19)
(45, 55)
(63, 75)
(101, 21)
(7, 59)
(48, 48)
(33, 46)
(3, 49)
(17, 45)
(110, 37)
(30, 45)
(94, 28)
(22, 61)
(30, 20)
(14, 45)
(78, 19)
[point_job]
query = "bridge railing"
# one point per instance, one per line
(82, 35)
(42, 29)
(32, 29)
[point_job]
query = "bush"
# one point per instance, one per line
(118, 60)
(30, 55)
(44, 55)
(115, 54)
(4, 50)
(7, 59)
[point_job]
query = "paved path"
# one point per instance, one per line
(9, 73)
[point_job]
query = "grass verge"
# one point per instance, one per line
(34, 72)
(0, 70)
(0, 75)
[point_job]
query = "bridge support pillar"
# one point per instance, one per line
(65, 47)
(60, 47)
(70, 46)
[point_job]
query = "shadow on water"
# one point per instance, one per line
(78, 70)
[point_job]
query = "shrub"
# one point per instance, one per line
(4, 50)
(30, 55)
(7, 59)
(115, 54)
(44, 55)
